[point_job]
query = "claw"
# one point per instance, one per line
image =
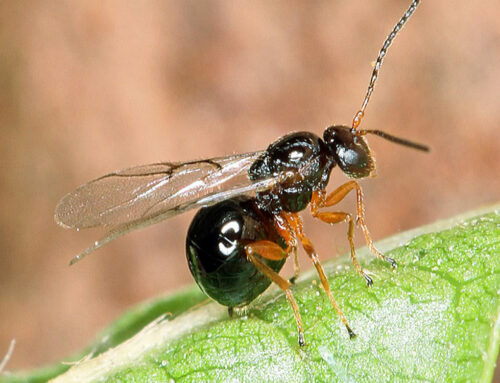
(302, 341)
(352, 334)
(393, 263)
(369, 281)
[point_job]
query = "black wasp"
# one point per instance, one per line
(248, 224)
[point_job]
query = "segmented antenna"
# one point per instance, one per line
(396, 140)
(381, 55)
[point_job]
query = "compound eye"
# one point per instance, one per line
(355, 160)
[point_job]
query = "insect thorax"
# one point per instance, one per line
(301, 162)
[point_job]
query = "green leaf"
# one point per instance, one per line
(435, 319)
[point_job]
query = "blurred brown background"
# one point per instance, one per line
(87, 87)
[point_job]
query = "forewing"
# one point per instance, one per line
(145, 192)
(141, 196)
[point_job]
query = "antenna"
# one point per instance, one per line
(396, 140)
(381, 55)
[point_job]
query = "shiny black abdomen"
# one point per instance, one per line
(216, 255)
(306, 157)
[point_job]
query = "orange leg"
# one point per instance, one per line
(290, 238)
(296, 223)
(337, 217)
(296, 267)
(269, 250)
(320, 199)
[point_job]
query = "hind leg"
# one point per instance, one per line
(270, 250)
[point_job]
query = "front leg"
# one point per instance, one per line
(336, 217)
(320, 199)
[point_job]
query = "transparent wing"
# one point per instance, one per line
(144, 195)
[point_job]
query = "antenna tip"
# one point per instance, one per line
(74, 260)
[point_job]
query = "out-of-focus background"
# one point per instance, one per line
(87, 87)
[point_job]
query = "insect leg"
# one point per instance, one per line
(282, 283)
(290, 237)
(273, 251)
(296, 267)
(320, 200)
(296, 223)
(336, 217)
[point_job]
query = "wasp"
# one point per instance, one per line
(248, 224)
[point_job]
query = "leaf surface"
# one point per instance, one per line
(435, 319)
